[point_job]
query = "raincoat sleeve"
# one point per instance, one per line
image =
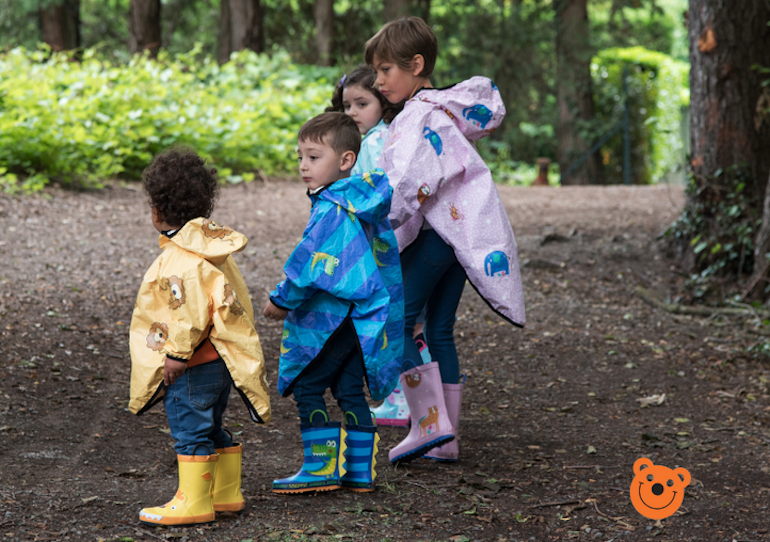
(333, 253)
(426, 150)
(190, 322)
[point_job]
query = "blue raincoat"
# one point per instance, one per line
(346, 264)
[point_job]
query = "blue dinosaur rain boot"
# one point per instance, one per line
(360, 456)
(324, 444)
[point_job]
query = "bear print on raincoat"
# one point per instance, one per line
(192, 291)
(347, 264)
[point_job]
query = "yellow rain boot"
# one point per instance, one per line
(227, 484)
(193, 502)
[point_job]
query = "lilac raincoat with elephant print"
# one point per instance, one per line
(438, 176)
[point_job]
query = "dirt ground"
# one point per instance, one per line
(551, 420)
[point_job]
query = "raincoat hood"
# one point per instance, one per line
(475, 105)
(206, 239)
(356, 195)
(194, 291)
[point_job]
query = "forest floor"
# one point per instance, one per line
(551, 418)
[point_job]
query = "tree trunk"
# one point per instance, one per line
(324, 25)
(575, 93)
(730, 138)
(724, 89)
(761, 275)
(144, 26)
(241, 27)
(393, 9)
(60, 25)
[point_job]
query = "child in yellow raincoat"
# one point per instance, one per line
(192, 337)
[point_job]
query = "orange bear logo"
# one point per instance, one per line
(657, 491)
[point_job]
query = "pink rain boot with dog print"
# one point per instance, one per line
(430, 423)
(453, 396)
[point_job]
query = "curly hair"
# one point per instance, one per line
(364, 76)
(180, 186)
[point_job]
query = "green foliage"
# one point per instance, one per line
(658, 92)
(82, 122)
(719, 224)
(621, 23)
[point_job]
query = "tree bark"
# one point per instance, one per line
(761, 275)
(144, 26)
(575, 91)
(324, 25)
(725, 42)
(393, 9)
(60, 25)
(729, 127)
(241, 27)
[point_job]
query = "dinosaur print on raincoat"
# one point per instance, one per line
(360, 277)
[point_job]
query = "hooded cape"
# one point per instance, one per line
(347, 264)
(194, 289)
(437, 175)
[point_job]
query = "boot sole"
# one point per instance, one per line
(422, 450)
(306, 489)
(230, 507)
(183, 524)
(393, 422)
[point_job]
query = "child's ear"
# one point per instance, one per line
(418, 64)
(347, 160)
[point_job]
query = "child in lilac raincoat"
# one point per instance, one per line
(449, 220)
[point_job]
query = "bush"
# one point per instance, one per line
(79, 123)
(658, 89)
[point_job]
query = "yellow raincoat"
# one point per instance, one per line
(192, 291)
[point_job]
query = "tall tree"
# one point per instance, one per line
(324, 26)
(144, 26)
(241, 27)
(393, 9)
(730, 138)
(575, 95)
(60, 24)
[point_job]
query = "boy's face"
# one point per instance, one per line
(396, 83)
(320, 165)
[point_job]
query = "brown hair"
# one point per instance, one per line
(364, 76)
(180, 186)
(400, 40)
(335, 129)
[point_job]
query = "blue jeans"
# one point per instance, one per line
(339, 366)
(433, 278)
(194, 407)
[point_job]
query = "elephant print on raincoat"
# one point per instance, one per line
(437, 175)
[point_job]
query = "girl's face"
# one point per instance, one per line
(362, 106)
(396, 83)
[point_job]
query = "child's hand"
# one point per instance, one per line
(172, 369)
(273, 312)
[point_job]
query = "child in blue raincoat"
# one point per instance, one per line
(342, 300)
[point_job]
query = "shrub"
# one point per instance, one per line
(658, 89)
(79, 123)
